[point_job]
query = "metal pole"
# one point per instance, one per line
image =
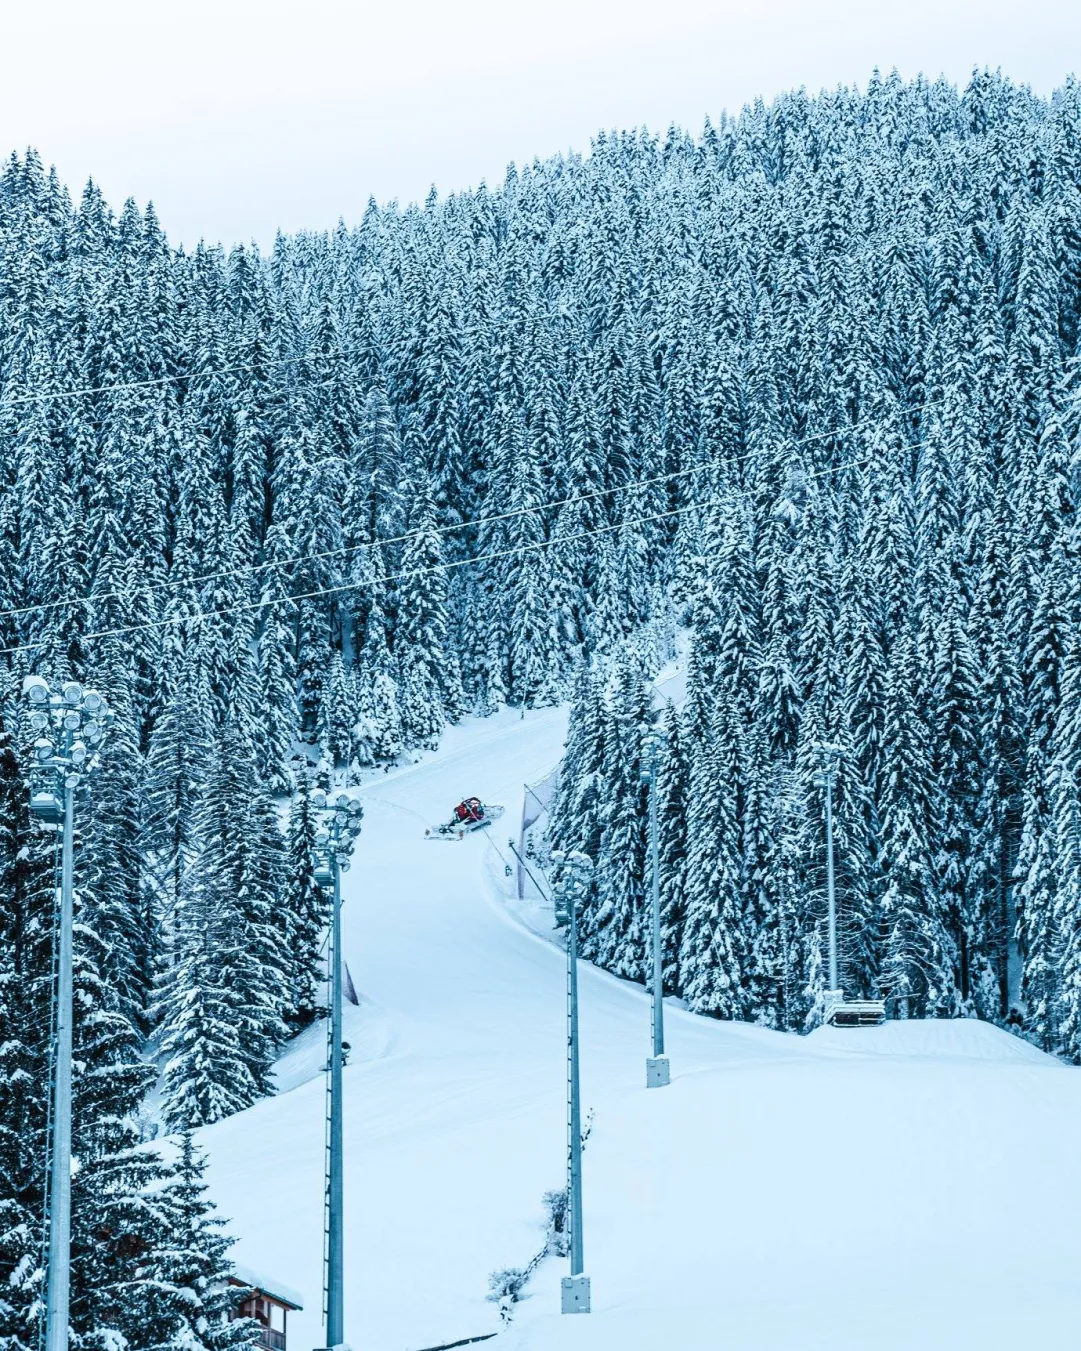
(658, 956)
(335, 1272)
(575, 1289)
(574, 1125)
(829, 879)
(657, 1069)
(334, 840)
(56, 1309)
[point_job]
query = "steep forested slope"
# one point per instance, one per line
(891, 564)
(806, 382)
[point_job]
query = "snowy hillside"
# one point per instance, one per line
(802, 390)
(915, 1185)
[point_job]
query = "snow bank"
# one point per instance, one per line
(939, 1039)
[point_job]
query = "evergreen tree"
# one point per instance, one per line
(224, 999)
(188, 1301)
(306, 906)
(714, 956)
(420, 639)
(672, 806)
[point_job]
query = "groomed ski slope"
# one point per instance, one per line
(917, 1185)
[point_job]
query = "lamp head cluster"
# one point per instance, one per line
(338, 826)
(652, 745)
(69, 724)
(575, 873)
(831, 755)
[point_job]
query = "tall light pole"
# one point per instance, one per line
(69, 723)
(827, 779)
(338, 828)
(576, 870)
(657, 1068)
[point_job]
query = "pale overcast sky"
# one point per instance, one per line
(237, 119)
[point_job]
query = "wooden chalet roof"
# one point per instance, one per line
(272, 1289)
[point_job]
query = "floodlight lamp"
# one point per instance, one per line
(344, 865)
(356, 807)
(43, 748)
(72, 692)
(78, 753)
(71, 781)
(36, 689)
(93, 702)
(322, 838)
(72, 721)
(342, 801)
(39, 720)
(319, 799)
(47, 807)
(91, 733)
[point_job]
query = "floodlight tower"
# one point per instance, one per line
(339, 825)
(576, 870)
(69, 723)
(657, 1069)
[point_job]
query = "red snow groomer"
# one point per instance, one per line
(470, 814)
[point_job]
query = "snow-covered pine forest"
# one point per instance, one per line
(888, 418)
(805, 384)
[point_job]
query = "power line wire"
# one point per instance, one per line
(477, 522)
(52, 396)
(98, 423)
(412, 573)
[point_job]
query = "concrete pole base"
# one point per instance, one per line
(657, 1073)
(575, 1294)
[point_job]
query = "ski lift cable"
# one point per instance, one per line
(297, 559)
(322, 592)
(555, 504)
(98, 423)
(480, 521)
(53, 396)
